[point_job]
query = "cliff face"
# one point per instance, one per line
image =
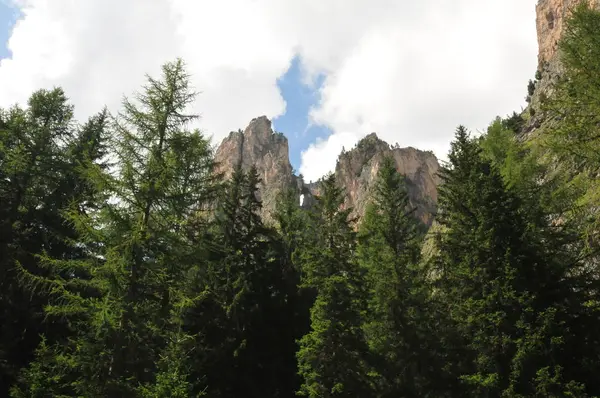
(258, 145)
(356, 170)
(550, 22)
(550, 17)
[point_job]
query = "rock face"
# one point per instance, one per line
(550, 17)
(258, 145)
(550, 22)
(356, 170)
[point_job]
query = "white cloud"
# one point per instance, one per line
(411, 71)
(428, 75)
(316, 160)
(100, 50)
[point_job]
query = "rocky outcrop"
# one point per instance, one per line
(356, 169)
(260, 146)
(550, 22)
(550, 18)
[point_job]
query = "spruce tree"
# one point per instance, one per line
(44, 156)
(389, 250)
(242, 318)
(294, 228)
(506, 288)
(332, 356)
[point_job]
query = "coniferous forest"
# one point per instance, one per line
(130, 268)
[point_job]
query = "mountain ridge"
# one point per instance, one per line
(355, 170)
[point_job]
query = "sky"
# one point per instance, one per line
(327, 72)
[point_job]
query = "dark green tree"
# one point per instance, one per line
(44, 162)
(125, 315)
(332, 356)
(506, 282)
(244, 320)
(396, 328)
(294, 227)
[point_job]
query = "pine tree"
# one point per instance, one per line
(332, 356)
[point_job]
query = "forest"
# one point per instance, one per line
(130, 268)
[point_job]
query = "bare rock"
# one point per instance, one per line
(550, 19)
(356, 171)
(260, 146)
(550, 23)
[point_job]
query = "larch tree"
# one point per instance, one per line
(124, 315)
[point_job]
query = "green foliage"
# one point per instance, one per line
(396, 321)
(530, 90)
(506, 275)
(45, 158)
(514, 122)
(516, 162)
(119, 300)
(332, 356)
(130, 267)
(172, 378)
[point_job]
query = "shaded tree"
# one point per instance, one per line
(332, 356)
(507, 284)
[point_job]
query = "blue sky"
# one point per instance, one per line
(294, 123)
(7, 19)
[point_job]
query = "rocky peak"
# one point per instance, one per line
(550, 22)
(260, 146)
(357, 169)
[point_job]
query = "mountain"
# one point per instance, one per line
(355, 171)
(550, 18)
(258, 145)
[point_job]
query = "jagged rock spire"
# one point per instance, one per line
(356, 169)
